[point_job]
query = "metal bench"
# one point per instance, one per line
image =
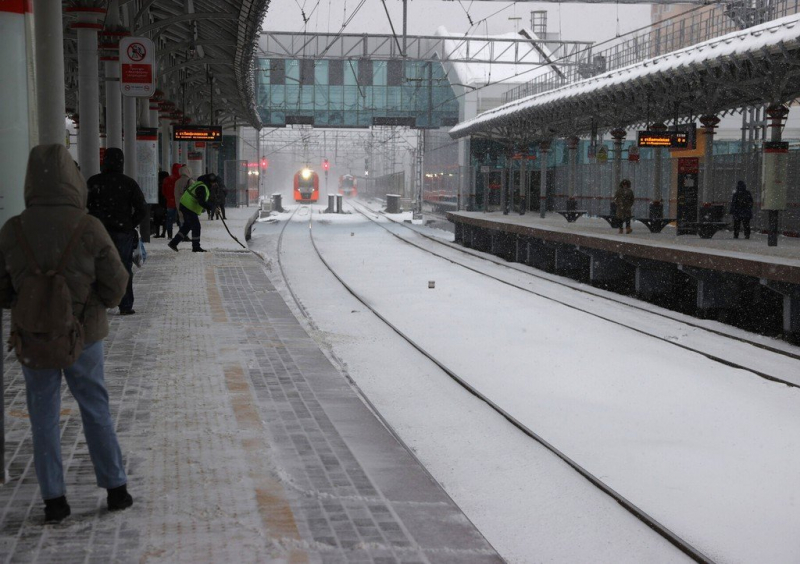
(571, 215)
(612, 220)
(657, 224)
(707, 229)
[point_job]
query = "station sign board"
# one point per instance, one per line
(666, 139)
(197, 133)
(137, 67)
(774, 175)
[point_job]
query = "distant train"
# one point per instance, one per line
(306, 186)
(348, 185)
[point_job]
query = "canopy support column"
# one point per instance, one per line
(616, 175)
(572, 148)
(51, 104)
(87, 27)
(710, 123)
(777, 113)
(544, 148)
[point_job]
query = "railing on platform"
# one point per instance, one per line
(689, 28)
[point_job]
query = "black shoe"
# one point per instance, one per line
(127, 311)
(119, 498)
(199, 250)
(173, 245)
(56, 510)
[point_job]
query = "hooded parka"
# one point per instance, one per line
(55, 203)
(116, 199)
(180, 186)
(168, 188)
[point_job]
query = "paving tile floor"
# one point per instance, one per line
(242, 442)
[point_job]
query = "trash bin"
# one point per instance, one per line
(393, 203)
(276, 203)
(656, 210)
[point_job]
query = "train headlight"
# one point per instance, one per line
(306, 174)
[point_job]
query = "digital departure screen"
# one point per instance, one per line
(667, 139)
(197, 133)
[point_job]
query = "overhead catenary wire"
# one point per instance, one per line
(591, 48)
(391, 26)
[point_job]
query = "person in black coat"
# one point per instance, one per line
(222, 194)
(741, 209)
(117, 201)
(211, 181)
(159, 210)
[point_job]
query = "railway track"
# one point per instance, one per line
(359, 208)
(628, 505)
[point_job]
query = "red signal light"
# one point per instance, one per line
(264, 162)
(326, 165)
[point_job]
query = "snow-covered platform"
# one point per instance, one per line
(725, 269)
(751, 257)
(243, 442)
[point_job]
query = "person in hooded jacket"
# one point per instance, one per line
(184, 179)
(55, 205)
(194, 200)
(624, 199)
(117, 201)
(211, 181)
(160, 209)
(741, 209)
(168, 189)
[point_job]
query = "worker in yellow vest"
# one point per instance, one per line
(194, 200)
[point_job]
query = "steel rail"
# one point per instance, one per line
(709, 356)
(636, 511)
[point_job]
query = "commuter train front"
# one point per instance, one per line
(306, 186)
(347, 185)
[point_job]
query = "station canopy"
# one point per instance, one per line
(200, 44)
(759, 65)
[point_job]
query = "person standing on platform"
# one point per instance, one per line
(222, 195)
(160, 209)
(210, 180)
(741, 209)
(168, 189)
(624, 198)
(117, 201)
(192, 203)
(184, 179)
(54, 229)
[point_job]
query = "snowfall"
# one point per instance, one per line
(709, 451)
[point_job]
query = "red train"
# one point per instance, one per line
(348, 185)
(306, 186)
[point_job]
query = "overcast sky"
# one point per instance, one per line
(592, 22)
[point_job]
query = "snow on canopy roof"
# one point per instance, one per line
(483, 73)
(781, 35)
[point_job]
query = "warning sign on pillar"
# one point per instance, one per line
(137, 66)
(774, 176)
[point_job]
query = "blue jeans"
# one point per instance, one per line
(172, 214)
(124, 244)
(86, 383)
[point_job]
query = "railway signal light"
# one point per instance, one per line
(264, 163)
(326, 165)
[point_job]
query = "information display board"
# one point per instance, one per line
(666, 139)
(197, 133)
(774, 175)
(147, 163)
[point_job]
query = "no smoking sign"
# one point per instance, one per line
(136, 52)
(137, 72)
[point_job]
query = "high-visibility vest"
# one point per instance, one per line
(190, 200)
